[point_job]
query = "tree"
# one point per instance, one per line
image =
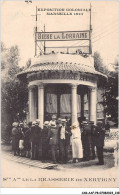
(14, 93)
(3, 56)
(111, 95)
(13, 100)
(98, 63)
(28, 63)
(13, 60)
(3, 47)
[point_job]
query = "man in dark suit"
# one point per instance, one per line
(100, 136)
(45, 141)
(35, 140)
(85, 137)
(53, 140)
(92, 144)
(64, 141)
(107, 129)
(27, 144)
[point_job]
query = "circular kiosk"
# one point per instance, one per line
(58, 84)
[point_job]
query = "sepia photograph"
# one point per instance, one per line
(59, 94)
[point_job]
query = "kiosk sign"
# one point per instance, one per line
(62, 36)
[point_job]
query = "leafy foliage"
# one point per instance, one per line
(98, 63)
(111, 95)
(14, 99)
(14, 93)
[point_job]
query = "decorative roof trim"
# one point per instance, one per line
(61, 66)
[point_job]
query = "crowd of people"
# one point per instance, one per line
(54, 140)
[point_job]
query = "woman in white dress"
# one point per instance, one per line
(77, 151)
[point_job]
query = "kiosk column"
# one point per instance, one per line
(82, 105)
(31, 103)
(93, 104)
(74, 103)
(41, 104)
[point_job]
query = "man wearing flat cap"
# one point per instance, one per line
(64, 141)
(59, 122)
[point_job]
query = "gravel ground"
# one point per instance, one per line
(82, 174)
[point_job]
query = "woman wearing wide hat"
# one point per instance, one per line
(77, 151)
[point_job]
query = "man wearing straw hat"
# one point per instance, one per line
(53, 137)
(64, 141)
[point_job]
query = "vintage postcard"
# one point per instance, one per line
(59, 94)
